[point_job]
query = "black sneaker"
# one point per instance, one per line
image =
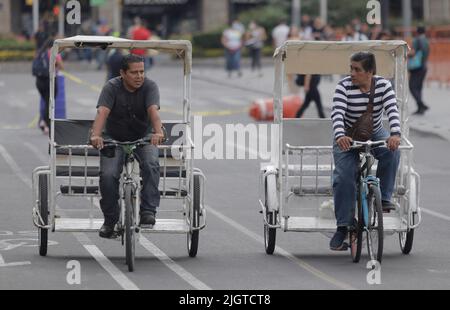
(388, 206)
(337, 242)
(106, 231)
(147, 219)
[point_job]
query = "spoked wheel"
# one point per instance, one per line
(194, 217)
(43, 210)
(355, 234)
(375, 232)
(270, 233)
(406, 241)
(129, 226)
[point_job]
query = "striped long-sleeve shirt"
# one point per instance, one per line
(349, 103)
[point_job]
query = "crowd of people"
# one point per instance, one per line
(237, 37)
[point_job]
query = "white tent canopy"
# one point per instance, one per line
(298, 56)
(181, 47)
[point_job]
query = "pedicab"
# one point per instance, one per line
(73, 169)
(296, 186)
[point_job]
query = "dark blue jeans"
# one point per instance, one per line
(110, 171)
(346, 171)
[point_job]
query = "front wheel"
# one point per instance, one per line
(43, 211)
(130, 201)
(375, 230)
(193, 235)
(355, 234)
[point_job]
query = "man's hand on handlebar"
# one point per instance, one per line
(157, 138)
(97, 141)
(393, 142)
(344, 143)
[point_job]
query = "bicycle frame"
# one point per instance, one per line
(365, 178)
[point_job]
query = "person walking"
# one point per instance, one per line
(232, 42)
(417, 67)
(254, 41)
(40, 69)
(310, 84)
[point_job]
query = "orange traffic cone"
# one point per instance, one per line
(262, 109)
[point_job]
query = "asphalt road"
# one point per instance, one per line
(231, 252)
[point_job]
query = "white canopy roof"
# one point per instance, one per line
(182, 47)
(333, 57)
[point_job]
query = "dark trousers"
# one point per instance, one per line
(43, 86)
(110, 171)
(255, 54)
(312, 95)
(416, 79)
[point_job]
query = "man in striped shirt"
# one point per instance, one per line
(349, 103)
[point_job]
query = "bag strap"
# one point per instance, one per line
(371, 96)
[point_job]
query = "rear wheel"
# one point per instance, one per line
(43, 211)
(355, 234)
(270, 233)
(375, 230)
(194, 217)
(129, 226)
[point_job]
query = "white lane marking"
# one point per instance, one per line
(14, 167)
(283, 252)
(12, 264)
(166, 260)
(436, 214)
(115, 273)
(180, 271)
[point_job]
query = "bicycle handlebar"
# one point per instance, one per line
(372, 144)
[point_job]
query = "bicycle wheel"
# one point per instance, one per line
(129, 226)
(271, 216)
(43, 210)
(375, 232)
(355, 233)
(406, 241)
(194, 217)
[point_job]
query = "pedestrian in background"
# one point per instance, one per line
(232, 42)
(254, 41)
(310, 84)
(41, 66)
(280, 34)
(141, 32)
(417, 67)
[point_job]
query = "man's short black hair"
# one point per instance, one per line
(367, 59)
(130, 58)
(421, 30)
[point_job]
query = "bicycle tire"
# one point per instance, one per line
(356, 232)
(129, 226)
(270, 233)
(406, 241)
(375, 229)
(194, 216)
(43, 211)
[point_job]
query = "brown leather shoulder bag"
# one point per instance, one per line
(362, 129)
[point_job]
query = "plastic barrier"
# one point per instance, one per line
(262, 109)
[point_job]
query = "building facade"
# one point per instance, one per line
(171, 16)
